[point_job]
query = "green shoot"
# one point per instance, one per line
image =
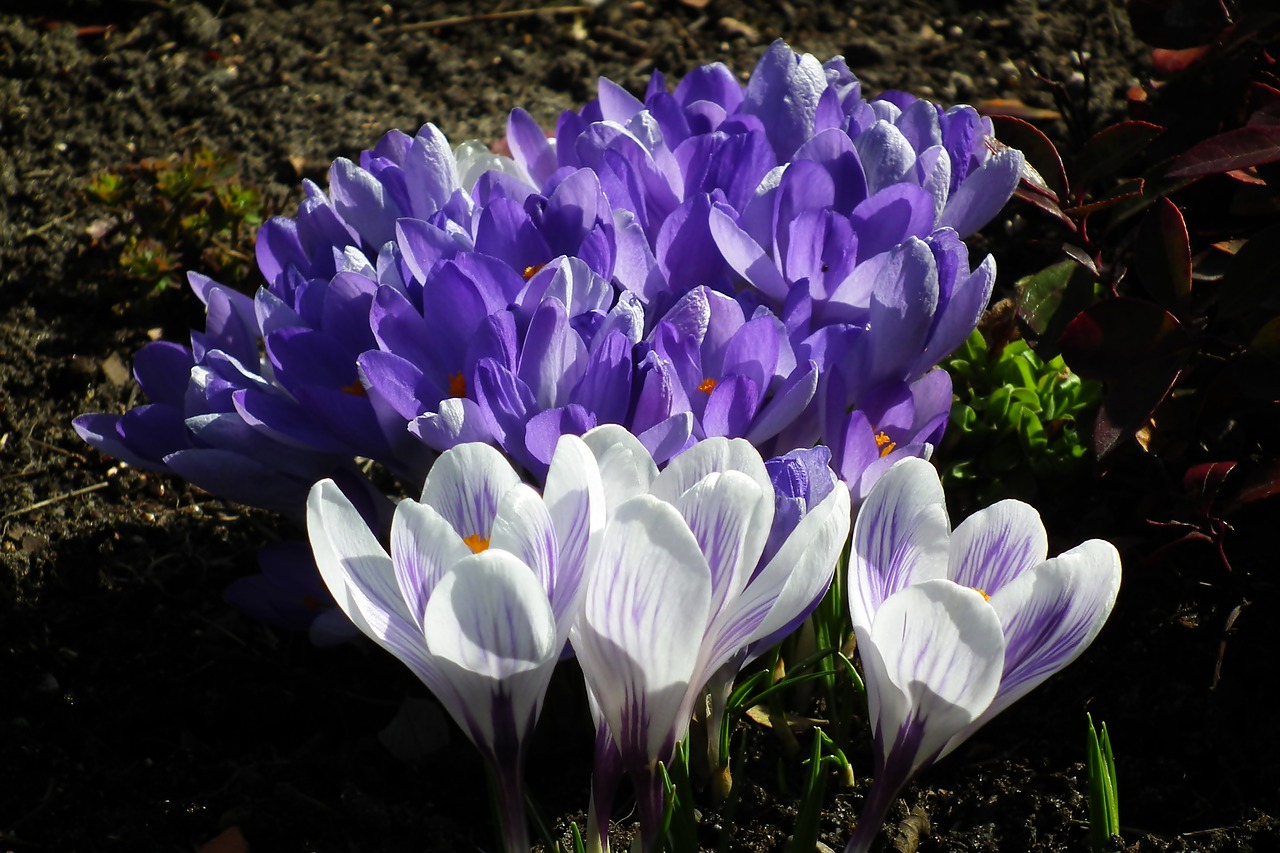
(1104, 809)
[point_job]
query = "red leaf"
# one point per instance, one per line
(1204, 481)
(1170, 62)
(1035, 146)
(1163, 254)
(1110, 148)
(1235, 149)
(1115, 338)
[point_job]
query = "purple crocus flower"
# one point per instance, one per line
(677, 590)
(478, 592)
(892, 423)
(739, 374)
(195, 427)
(954, 626)
(290, 595)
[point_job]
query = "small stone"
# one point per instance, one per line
(114, 369)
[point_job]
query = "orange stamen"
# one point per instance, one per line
(985, 597)
(476, 542)
(885, 444)
(707, 385)
(532, 270)
(457, 385)
(355, 389)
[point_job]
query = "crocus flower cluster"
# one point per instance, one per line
(779, 261)
(581, 356)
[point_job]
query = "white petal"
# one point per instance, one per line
(626, 468)
(941, 647)
(523, 527)
(712, 455)
(491, 630)
(720, 509)
(574, 496)
(797, 575)
(423, 547)
(362, 579)
(997, 544)
(1051, 614)
(900, 537)
(642, 622)
(465, 486)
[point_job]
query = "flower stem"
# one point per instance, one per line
(508, 794)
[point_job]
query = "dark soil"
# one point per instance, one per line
(139, 712)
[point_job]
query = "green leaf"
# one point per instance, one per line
(1048, 299)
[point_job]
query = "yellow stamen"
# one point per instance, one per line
(985, 597)
(476, 542)
(885, 444)
(707, 385)
(355, 389)
(457, 385)
(532, 270)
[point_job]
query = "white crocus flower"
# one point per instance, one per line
(478, 592)
(676, 589)
(954, 626)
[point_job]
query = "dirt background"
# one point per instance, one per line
(139, 712)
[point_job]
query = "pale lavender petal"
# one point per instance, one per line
(430, 172)
(890, 216)
(530, 148)
(458, 421)
(783, 91)
(886, 155)
(746, 257)
(960, 317)
(669, 437)
(983, 192)
(361, 201)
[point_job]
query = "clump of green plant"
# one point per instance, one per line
(1014, 420)
(163, 215)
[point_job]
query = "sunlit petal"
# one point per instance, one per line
(900, 538)
(465, 486)
(997, 544)
(642, 621)
(423, 547)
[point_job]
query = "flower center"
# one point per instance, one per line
(457, 385)
(985, 597)
(707, 385)
(476, 542)
(531, 270)
(885, 444)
